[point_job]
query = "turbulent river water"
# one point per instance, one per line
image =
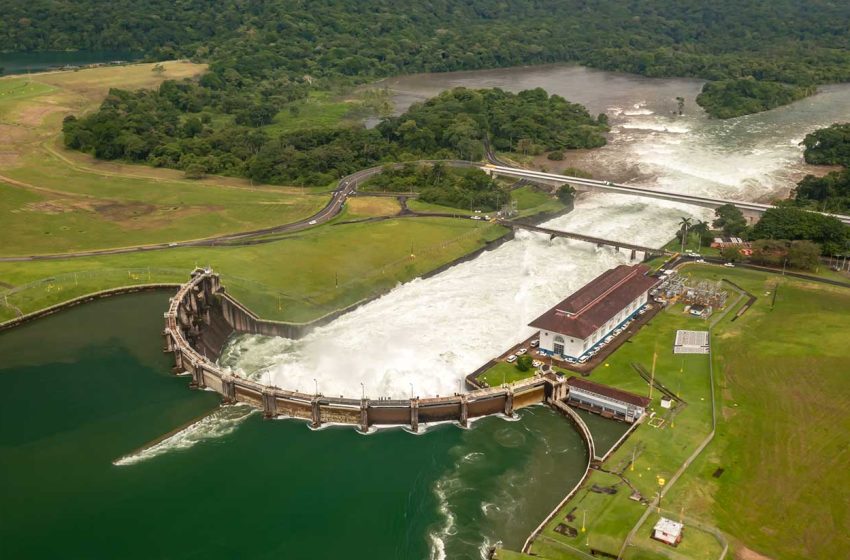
(425, 336)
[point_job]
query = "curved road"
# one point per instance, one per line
(348, 185)
(345, 187)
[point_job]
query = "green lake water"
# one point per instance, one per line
(21, 63)
(87, 387)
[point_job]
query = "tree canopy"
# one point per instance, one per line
(733, 98)
(186, 124)
(791, 223)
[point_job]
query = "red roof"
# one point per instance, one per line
(597, 302)
(607, 391)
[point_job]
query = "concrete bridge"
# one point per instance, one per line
(600, 242)
(750, 209)
(201, 316)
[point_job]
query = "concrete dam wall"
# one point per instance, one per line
(202, 315)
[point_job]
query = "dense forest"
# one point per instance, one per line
(830, 193)
(253, 43)
(788, 223)
(201, 128)
(438, 184)
(732, 98)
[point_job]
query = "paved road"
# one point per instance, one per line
(348, 185)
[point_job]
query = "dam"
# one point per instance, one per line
(202, 316)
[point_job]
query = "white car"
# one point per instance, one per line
(535, 343)
(582, 360)
(511, 359)
(475, 217)
(730, 265)
(486, 217)
(521, 351)
(312, 222)
(536, 363)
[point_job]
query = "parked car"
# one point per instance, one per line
(511, 359)
(582, 360)
(536, 363)
(571, 360)
(521, 351)
(642, 311)
(476, 217)
(535, 343)
(730, 265)
(541, 353)
(608, 339)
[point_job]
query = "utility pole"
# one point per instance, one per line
(652, 375)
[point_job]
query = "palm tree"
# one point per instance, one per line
(701, 228)
(684, 224)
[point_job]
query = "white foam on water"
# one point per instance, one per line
(425, 336)
(219, 423)
(431, 333)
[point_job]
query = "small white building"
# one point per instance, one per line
(606, 400)
(580, 322)
(668, 531)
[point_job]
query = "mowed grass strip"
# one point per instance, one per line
(298, 278)
(782, 439)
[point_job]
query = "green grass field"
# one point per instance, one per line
(55, 200)
(782, 438)
(781, 385)
(297, 278)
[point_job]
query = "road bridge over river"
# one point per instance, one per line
(751, 209)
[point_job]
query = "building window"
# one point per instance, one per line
(559, 345)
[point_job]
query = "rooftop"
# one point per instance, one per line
(608, 391)
(597, 301)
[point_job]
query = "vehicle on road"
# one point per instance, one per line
(510, 359)
(312, 222)
(476, 217)
(536, 363)
(730, 265)
(521, 351)
(535, 343)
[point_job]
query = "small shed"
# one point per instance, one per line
(668, 531)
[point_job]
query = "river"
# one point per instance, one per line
(425, 336)
(83, 389)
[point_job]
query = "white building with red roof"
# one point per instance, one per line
(573, 327)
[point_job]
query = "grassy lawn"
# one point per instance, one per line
(781, 384)
(658, 451)
(297, 278)
(534, 201)
(56, 200)
(503, 372)
(782, 435)
(418, 206)
(369, 207)
(319, 110)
